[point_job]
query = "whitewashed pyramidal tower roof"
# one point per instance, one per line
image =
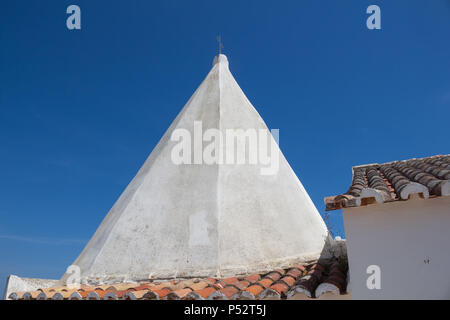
(188, 220)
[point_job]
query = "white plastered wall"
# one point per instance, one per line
(206, 220)
(408, 240)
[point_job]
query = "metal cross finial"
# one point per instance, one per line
(219, 41)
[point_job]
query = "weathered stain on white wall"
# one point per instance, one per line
(198, 230)
(408, 240)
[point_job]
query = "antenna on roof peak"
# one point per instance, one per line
(219, 41)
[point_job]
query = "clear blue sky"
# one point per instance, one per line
(81, 110)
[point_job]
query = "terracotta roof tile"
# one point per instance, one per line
(15, 295)
(288, 280)
(57, 296)
(86, 288)
(56, 289)
(300, 267)
(241, 285)
(218, 285)
(281, 272)
(211, 280)
(84, 294)
(33, 294)
(66, 293)
(229, 291)
(93, 296)
(25, 296)
(395, 181)
(269, 294)
(298, 293)
(158, 294)
(243, 295)
(75, 296)
(199, 285)
(230, 280)
(310, 282)
(253, 277)
(217, 295)
(280, 288)
(206, 292)
(317, 266)
(124, 286)
(336, 277)
(266, 282)
(103, 287)
(326, 288)
(255, 289)
(294, 272)
(41, 296)
(111, 295)
(160, 286)
(135, 295)
(298, 282)
(182, 284)
(45, 291)
(143, 286)
(178, 294)
(274, 276)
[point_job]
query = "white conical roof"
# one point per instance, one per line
(206, 219)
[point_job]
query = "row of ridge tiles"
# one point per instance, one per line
(430, 175)
(299, 282)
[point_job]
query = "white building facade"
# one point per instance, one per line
(397, 224)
